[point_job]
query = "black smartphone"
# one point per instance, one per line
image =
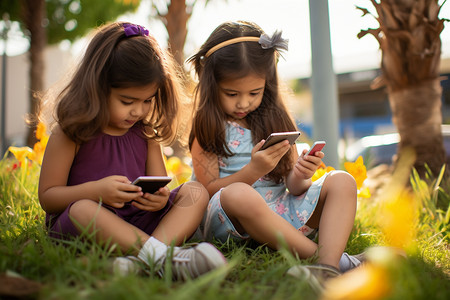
(151, 184)
(277, 137)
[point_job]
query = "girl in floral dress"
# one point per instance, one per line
(266, 195)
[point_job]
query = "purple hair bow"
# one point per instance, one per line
(133, 29)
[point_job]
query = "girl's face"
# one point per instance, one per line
(239, 97)
(128, 106)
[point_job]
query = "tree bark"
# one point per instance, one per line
(409, 38)
(34, 15)
(176, 24)
(417, 116)
(175, 21)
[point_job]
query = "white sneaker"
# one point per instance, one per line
(351, 261)
(316, 275)
(196, 260)
(126, 265)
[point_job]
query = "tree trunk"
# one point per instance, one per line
(409, 38)
(175, 20)
(33, 14)
(176, 24)
(417, 116)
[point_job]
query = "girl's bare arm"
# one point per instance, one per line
(299, 179)
(155, 160)
(206, 166)
(55, 195)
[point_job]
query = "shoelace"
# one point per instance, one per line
(354, 261)
(183, 263)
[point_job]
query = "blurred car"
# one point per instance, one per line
(381, 149)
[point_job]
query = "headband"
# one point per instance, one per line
(266, 42)
(133, 29)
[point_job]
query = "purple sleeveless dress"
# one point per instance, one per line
(103, 156)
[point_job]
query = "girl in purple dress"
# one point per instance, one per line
(121, 104)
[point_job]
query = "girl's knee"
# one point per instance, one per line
(192, 193)
(340, 180)
(342, 184)
(82, 209)
(240, 197)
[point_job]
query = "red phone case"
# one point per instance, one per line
(317, 146)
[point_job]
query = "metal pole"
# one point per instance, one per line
(323, 82)
(3, 96)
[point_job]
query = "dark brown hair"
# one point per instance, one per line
(232, 62)
(114, 60)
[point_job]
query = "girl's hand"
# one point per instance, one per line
(306, 166)
(153, 202)
(264, 161)
(116, 190)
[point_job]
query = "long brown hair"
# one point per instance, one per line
(114, 60)
(232, 62)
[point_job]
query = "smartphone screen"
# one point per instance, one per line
(151, 184)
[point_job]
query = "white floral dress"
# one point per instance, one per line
(295, 209)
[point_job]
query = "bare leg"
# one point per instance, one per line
(89, 214)
(184, 216)
(250, 213)
(334, 216)
(177, 225)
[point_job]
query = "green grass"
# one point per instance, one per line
(82, 270)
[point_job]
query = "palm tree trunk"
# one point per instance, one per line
(417, 116)
(409, 38)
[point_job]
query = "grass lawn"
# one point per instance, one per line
(34, 266)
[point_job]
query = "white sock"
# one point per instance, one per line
(153, 252)
(348, 262)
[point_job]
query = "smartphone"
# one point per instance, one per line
(317, 146)
(277, 137)
(151, 184)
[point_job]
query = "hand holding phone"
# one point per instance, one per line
(317, 146)
(277, 137)
(151, 184)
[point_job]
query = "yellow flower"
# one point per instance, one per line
(364, 193)
(44, 141)
(357, 170)
(370, 281)
(41, 131)
(366, 282)
(321, 171)
(21, 153)
(399, 218)
(178, 170)
(38, 152)
(173, 164)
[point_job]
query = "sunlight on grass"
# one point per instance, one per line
(412, 222)
(396, 215)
